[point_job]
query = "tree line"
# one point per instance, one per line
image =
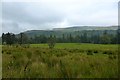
(22, 38)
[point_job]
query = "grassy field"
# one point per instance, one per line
(80, 46)
(66, 60)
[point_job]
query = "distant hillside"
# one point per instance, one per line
(80, 28)
(76, 30)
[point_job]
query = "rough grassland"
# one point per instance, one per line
(66, 60)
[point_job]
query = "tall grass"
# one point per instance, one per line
(38, 61)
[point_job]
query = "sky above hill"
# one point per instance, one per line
(22, 15)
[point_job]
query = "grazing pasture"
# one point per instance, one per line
(65, 60)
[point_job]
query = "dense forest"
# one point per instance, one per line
(88, 36)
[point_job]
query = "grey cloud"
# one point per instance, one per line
(11, 27)
(46, 14)
(26, 18)
(17, 11)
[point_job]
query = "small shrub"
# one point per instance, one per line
(104, 52)
(70, 51)
(111, 57)
(51, 45)
(95, 51)
(44, 52)
(17, 55)
(89, 52)
(8, 52)
(51, 42)
(114, 56)
(37, 51)
(109, 53)
(91, 65)
(16, 46)
(2, 51)
(14, 57)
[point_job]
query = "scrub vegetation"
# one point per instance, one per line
(65, 60)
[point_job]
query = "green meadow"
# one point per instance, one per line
(65, 60)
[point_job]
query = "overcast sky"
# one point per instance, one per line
(20, 16)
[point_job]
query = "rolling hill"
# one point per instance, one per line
(75, 30)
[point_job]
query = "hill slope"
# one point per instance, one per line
(76, 30)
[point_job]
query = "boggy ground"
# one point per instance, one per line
(66, 60)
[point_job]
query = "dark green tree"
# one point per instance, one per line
(51, 41)
(105, 38)
(9, 39)
(23, 39)
(77, 39)
(3, 38)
